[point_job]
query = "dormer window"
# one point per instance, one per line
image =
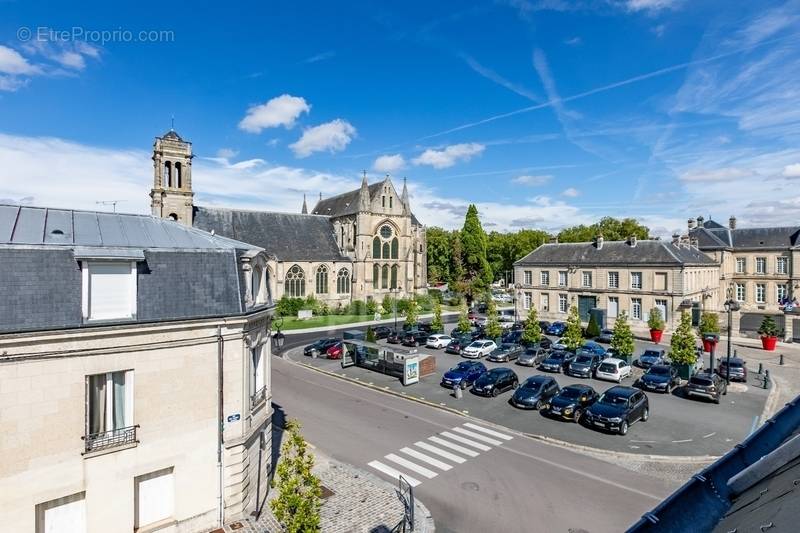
(109, 290)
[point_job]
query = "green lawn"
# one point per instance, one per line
(318, 321)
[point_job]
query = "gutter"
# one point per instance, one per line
(220, 414)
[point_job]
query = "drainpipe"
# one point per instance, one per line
(220, 426)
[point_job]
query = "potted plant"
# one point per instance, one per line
(682, 351)
(709, 330)
(769, 333)
(656, 324)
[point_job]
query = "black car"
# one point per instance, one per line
(482, 307)
(320, 347)
(415, 338)
(382, 332)
(571, 402)
(707, 385)
(495, 381)
(473, 334)
(557, 361)
(544, 324)
(738, 369)
(605, 336)
(617, 408)
(532, 356)
(408, 328)
(458, 344)
(534, 392)
(394, 337)
(584, 365)
(505, 352)
(545, 343)
(660, 378)
(512, 337)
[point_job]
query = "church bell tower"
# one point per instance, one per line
(171, 195)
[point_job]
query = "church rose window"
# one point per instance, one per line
(322, 280)
(295, 284)
(386, 232)
(343, 281)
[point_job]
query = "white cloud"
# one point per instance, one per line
(651, 5)
(333, 136)
(493, 76)
(532, 181)
(792, 171)
(571, 192)
(282, 110)
(12, 62)
(574, 41)
(320, 57)
(227, 153)
(389, 163)
(720, 174)
(449, 156)
(658, 30)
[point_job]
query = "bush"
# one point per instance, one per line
(709, 323)
(289, 306)
(683, 348)
(357, 308)
(533, 331)
(437, 326)
(655, 320)
(622, 340)
(593, 328)
(455, 301)
(424, 302)
(436, 296)
(464, 325)
(372, 307)
(371, 335)
(299, 498)
(388, 304)
(768, 327)
(573, 336)
(402, 305)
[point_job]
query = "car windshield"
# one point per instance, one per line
(608, 367)
(583, 359)
(570, 394)
(612, 399)
(734, 364)
(532, 385)
(650, 353)
(507, 346)
(558, 356)
(659, 370)
(476, 345)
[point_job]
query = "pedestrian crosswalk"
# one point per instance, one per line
(439, 453)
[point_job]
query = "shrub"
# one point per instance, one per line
(622, 340)
(493, 327)
(299, 497)
(709, 323)
(593, 328)
(289, 306)
(455, 301)
(683, 348)
(372, 307)
(655, 320)
(436, 296)
(388, 304)
(436, 324)
(402, 305)
(357, 308)
(463, 320)
(573, 337)
(533, 331)
(371, 335)
(768, 327)
(412, 313)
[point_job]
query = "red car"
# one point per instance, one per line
(335, 351)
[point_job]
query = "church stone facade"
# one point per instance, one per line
(359, 245)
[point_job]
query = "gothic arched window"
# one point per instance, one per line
(295, 284)
(395, 246)
(168, 174)
(343, 281)
(385, 277)
(322, 280)
(394, 277)
(376, 248)
(178, 175)
(386, 250)
(376, 274)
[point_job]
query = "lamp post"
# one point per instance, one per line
(731, 305)
(278, 338)
(394, 292)
(517, 296)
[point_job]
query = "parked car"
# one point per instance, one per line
(534, 392)
(478, 349)
(415, 338)
(320, 346)
(605, 336)
(335, 351)
(707, 385)
(513, 337)
(457, 345)
(571, 402)
(495, 381)
(472, 314)
(506, 322)
(475, 333)
(543, 325)
(381, 332)
(593, 347)
(532, 356)
(463, 374)
(660, 378)
(584, 365)
(394, 337)
(613, 369)
(651, 357)
(557, 329)
(545, 343)
(557, 361)
(617, 409)
(438, 340)
(505, 352)
(738, 369)
(483, 307)
(560, 344)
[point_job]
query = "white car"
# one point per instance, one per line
(560, 344)
(438, 341)
(613, 369)
(479, 349)
(506, 322)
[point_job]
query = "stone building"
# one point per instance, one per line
(134, 373)
(760, 267)
(359, 245)
(614, 276)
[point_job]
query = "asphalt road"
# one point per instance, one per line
(507, 483)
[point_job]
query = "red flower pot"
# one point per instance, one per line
(655, 335)
(708, 345)
(768, 343)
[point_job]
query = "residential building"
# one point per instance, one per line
(634, 276)
(358, 245)
(134, 373)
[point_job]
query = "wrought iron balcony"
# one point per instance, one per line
(259, 397)
(110, 439)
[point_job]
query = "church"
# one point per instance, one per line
(359, 245)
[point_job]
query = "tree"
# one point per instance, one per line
(371, 334)
(622, 340)
(493, 327)
(709, 323)
(412, 313)
(372, 307)
(439, 250)
(463, 319)
(683, 348)
(593, 328)
(533, 331)
(299, 500)
(610, 228)
(573, 336)
(655, 320)
(436, 324)
(503, 249)
(456, 258)
(768, 327)
(478, 273)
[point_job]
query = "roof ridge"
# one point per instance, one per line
(259, 211)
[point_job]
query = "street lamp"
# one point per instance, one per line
(517, 296)
(394, 292)
(731, 305)
(278, 338)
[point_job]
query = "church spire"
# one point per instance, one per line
(304, 211)
(404, 197)
(363, 195)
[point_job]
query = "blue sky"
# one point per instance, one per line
(544, 113)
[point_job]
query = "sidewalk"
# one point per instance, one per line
(356, 502)
(355, 325)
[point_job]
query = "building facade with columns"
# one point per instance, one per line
(359, 245)
(134, 362)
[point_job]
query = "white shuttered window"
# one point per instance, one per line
(65, 515)
(155, 497)
(109, 290)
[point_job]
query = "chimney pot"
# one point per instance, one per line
(700, 220)
(732, 222)
(598, 242)
(691, 223)
(676, 238)
(632, 240)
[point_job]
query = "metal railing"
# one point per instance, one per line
(259, 397)
(110, 439)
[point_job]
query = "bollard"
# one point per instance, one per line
(766, 379)
(781, 362)
(458, 392)
(760, 368)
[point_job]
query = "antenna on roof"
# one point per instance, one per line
(112, 203)
(172, 124)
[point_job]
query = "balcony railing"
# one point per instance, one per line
(259, 397)
(110, 439)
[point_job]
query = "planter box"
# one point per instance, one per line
(655, 335)
(684, 371)
(710, 342)
(768, 343)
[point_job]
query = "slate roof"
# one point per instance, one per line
(712, 236)
(287, 236)
(348, 203)
(614, 253)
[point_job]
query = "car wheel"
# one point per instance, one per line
(623, 428)
(645, 414)
(539, 405)
(578, 415)
(619, 379)
(716, 400)
(515, 384)
(494, 393)
(463, 385)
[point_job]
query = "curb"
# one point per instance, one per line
(382, 321)
(771, 405)
(588, 450)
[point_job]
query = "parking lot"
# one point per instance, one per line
(677, 425)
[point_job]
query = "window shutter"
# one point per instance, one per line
(155, 498)
(110, 291)
(66, 517)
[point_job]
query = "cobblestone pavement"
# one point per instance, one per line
(361, 503)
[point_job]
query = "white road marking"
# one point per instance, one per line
(709, 435)
(438, 451)
(391, 472)
(478, 436)
(459, 438)
(414, 467)
(456, 447)
(679, 441)
(426, 458)
(488, 431)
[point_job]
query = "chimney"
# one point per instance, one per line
(694, 243)
(632, 241)
(700, 220)
(676, 238)
(598, 242)
(732, 222)
(691, 223)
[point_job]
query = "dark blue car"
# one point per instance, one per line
(594, 348)
(463, 374)
(557, 329)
